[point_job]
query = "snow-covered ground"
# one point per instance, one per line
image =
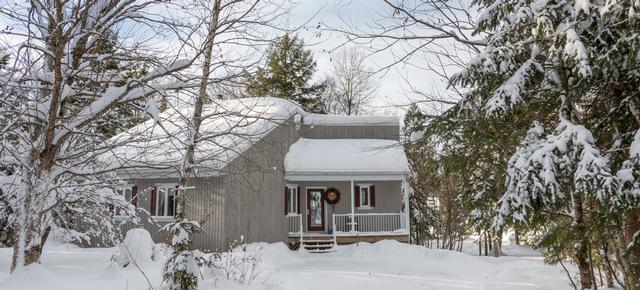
(383, 265)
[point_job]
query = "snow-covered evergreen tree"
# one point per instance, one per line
(581, 57)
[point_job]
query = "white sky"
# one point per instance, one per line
(393, 90)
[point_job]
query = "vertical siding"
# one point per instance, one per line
(351, 132)
(254, 185)
(388, 197)
(206, 200)
(207, 204)
(248, 199)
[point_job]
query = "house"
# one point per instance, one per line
(268, 171)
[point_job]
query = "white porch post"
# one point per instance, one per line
(407, 191)
(353, 208)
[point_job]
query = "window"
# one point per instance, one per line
(165, 195)
(125, 191)
(365, 196)
(292, 199)
(129, 193)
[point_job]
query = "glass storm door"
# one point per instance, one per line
(315, 210)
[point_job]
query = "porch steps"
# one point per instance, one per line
(319, 245)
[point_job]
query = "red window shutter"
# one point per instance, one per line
(134, 195)
(372, 194)
(111, 206)
(356, 195)
(298, 199)
(154, 192)
(286, 200)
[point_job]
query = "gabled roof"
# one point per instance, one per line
(349, 157)
(229, 128)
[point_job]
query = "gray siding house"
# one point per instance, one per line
(268, 171)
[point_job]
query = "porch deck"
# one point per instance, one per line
(348, 238)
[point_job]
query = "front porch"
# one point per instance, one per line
(346, 191)
(368, 227)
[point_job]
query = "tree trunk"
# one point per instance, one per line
(497, 244)
(622, 262)
(631, 254)
(189, 160)
(581, 252)
(486, 244)
(608, 268)
(593, 274)
(28, 251)
(517, 236)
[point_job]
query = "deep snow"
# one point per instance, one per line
(383, 265)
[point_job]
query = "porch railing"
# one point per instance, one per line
(295, 223)
(364, 223)
(370, 222)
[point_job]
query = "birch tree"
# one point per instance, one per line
(55, 98)
(228, 25)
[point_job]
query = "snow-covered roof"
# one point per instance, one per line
(346, 156)
(229, 127)
(338, 120)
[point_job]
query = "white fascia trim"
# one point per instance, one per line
(343, 177)
(162, 173)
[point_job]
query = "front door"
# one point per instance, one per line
(315, 210)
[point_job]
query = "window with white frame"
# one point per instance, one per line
(126, 191)
(365, 195)
(292, 199)
(165, 196)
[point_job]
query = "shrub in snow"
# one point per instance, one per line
(138, 247)
(239, 263)
(183, 266)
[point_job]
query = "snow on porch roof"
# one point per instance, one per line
(346, 157)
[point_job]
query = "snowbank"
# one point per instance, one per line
(377, 266)
(137, 247)
(35, 275)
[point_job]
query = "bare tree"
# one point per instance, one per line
(432, 36)
(230, 25)
(351, 86)
(56, 95)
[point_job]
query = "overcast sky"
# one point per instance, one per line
(393, 90)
